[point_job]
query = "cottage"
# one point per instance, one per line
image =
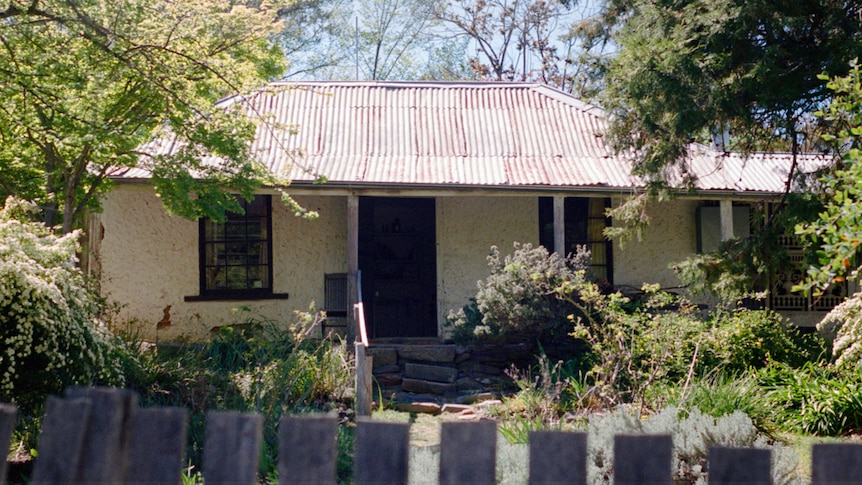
(423, 178)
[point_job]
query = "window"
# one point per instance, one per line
(236, 255)
(585, 222)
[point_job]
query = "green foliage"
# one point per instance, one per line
(49, 317)
(518, 300)
(252, 366)
(88, 82)
(634, 344)
(744, 339)
(723, 394)
(740, 268)
(686, 68)
(813, 399)
(836, 232)
(843, 328)
(538, 404)
(664, 338)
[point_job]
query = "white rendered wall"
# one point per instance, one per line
(149, 261)
(467, 227)
(670, 237)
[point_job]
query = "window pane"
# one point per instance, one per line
(236, 253)
(257, 207)
(235, 230)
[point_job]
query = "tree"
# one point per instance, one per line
(310, 37)
(687, 68)
(514, 39)
(836, 232)
(86, 83)
(389, 32)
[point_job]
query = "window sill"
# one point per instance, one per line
(237, 297)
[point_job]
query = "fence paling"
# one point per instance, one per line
(61, 440)
(642, 459)
(739, 465)
(307, 449)
(232, 447)
(468, 453)
(8, 413)
(103, 456)
(151, 442)
(381, 452)
(836, 463)
(557, 457)
(157, 440)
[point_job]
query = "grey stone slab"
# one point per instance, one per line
(440, 354)
(478, 368)
(419, 407)
(383, 356)
(427, 372)
(422, 387)
(386, 369)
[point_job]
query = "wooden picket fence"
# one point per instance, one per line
(99, 435)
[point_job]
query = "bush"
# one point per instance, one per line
(518, 300)
(52, 337)
(813, 399)
(693, 433)
(842, 327)
(664, 338)
(251, 366)
(634, 344)
(743, 339)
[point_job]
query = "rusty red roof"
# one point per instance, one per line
(460, 134)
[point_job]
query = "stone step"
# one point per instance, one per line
(426, 387)
(434, 373)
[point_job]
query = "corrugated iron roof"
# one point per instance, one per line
(459, 134)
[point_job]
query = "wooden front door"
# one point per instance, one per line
(398, 262)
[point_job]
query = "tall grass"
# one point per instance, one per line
(253, 366)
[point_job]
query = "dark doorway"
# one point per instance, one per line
(398, 261)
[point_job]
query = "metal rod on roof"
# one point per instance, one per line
(356, 43)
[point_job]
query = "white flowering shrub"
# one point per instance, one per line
(51, 336)
(843, 327)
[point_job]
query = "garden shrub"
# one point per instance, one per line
(634, 344)
(692, 434)
(49, 317)
(842, 327)
(518, 300)
(814, 399)
(254, 365)
(745, 338)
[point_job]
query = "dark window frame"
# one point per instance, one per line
(571, 217)
(245, 220)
